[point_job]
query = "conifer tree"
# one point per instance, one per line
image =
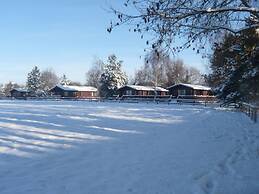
(33, 80)
(64, 80)
(112, 78)
(235, 69)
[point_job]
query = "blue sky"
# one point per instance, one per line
(65, 35)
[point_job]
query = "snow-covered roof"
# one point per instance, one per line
(20, 90)
(145, 88)
(193, 86)
(77, 88)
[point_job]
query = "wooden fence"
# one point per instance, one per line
(249, 110)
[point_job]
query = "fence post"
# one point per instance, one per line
(255, 116)
(252, 114)
(249, 110)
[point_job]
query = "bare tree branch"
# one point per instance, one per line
(193, 21)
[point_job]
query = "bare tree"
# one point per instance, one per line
(163, 71)
(48, 79)
(75, 83)
(193, 21)
(8, 87)
(176, 73)
(195, 76)
(1, 90)
(94, 73)
(153, 71)
(141, 77)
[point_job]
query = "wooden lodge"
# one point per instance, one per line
(67, 91)
(131, 91)
(20, 93)
(190, 91)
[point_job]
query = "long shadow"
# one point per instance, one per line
(63, 133)
(27, 149)
(40, 145)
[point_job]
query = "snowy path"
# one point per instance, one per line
(98, 148)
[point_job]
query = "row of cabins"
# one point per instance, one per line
(60, 91)
(181, 90)
(187, 91)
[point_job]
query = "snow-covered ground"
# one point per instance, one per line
(114, 148)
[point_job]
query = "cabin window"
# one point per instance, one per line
(199, 92)
(65, 93)
(182, 92)
(128, 92)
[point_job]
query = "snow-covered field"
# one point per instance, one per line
(115, 148)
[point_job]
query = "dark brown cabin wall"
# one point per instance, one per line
(162, 93)
(17, 94)
(175, 91)
(123, 91)
(189, 92)
(120, 92)
(85, 94)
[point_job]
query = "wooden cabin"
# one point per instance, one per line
(66, 91)
(20, 93)
(190, 91)
(141, 91)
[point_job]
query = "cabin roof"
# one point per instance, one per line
(77, 88)
(20, 89)
(193, 86)
(145, 88)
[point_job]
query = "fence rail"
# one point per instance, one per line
(249, 110)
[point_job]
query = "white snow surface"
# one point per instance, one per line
(193, 86)
(21, 89)
(72, 147)
(77, 88)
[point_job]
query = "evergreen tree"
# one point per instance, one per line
(112, 78)
(235, 69)
(64, 80)
(33, 80)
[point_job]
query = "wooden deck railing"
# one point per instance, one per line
(250, 110)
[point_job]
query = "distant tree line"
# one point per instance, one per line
(38, 82)
(158, 70)
(107, 76)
